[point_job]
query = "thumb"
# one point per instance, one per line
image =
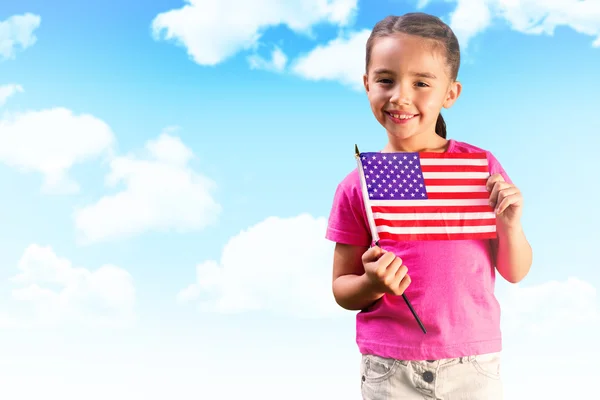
(373, 254)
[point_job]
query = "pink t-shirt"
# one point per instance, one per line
(452, 287)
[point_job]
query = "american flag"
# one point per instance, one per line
(427, 196)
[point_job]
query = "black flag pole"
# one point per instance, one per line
(374, 233)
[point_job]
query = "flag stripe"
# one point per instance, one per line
(435, 189)
(436, 229)
(423, 222)
(453, 161)
(454, 168)
(390, 209)
(433, 216)
(456, 175)
(430, 202)
(443, 236)
(454, 182)
(453, 155)
(458, 195)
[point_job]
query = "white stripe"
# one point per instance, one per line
(432, 216)
(453, 161)
(455, 175)
(456, 189)
(437, 229)
(412, 203)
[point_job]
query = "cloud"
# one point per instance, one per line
(7, 91)
(277, 62)
(527, 16)
(280, 265)
(214, 30)
(58, 292)
(543, 309)
(17, 32)
(468, 19)
(342, 60)
(52, 141)
(161, 193)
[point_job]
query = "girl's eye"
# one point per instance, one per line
(422, 84)
(385, 81)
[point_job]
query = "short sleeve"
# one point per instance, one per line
(347, 221)
(496, 167)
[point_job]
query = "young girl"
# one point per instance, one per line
(412, 64)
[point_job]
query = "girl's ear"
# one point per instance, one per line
(366, 82)
(453, 93)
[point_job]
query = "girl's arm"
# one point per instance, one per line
(512, 250)
(352, 288)
(513, 254)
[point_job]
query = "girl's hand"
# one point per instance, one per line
(385, 271)
(507, 201)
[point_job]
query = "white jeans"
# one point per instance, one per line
(464, 378)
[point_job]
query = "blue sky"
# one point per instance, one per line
(167, 182)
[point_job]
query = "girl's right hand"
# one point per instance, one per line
(385, 271)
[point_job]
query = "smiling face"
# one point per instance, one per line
(408, 82)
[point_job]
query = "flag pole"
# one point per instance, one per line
(373, 228)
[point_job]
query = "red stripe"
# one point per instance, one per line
(438, 236)
(471, 156)
(455, 182)
(429, 209)
(457, 195)
(454, 168)
(434, 222)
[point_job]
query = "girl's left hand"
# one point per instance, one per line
(507, 201)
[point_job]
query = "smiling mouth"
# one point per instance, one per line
(401, 117)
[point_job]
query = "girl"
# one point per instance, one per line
(412, 65)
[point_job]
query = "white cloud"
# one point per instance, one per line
(527, 16)
(277, 62)
(214, 30)
(280, 265)
(17, 31)
(58, 292)
(342, 59)
(468, 19)
(543, 309)
(7, 91)
(50, 142)
(161, 193)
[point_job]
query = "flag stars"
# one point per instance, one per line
(393, 176)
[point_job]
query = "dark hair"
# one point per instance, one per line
(425, 26)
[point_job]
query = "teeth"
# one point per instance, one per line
(402, 116)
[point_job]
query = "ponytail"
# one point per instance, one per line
(440, 126)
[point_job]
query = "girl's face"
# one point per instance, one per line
(407, 84)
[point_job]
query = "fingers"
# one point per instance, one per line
(507, 198)
(492, 181)
(403, 280)
(386, 271)
(494, 184)
(502, 193)
(373, 254)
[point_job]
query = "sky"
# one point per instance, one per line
(168, 168)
